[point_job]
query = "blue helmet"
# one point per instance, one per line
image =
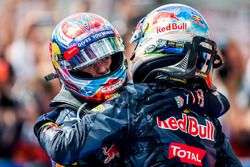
(79, 41)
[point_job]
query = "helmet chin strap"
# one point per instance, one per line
(51, 76)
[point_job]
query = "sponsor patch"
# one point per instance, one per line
(111, 153)
(50, 131)
(71, 52)
(112, 85)
(187, 154)
(172, 26)
(190, 125)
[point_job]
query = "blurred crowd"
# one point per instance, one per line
(26, 26)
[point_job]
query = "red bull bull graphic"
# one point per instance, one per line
(197, 20)
(190, 125)
(187, 154)
(172, 26)
(50, 131)
(163, 15)
(111, 153)
(73, 28)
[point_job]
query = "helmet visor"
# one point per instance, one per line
(197, 56)
(95, 52)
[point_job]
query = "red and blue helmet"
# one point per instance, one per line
(79, 41)
(173, 39)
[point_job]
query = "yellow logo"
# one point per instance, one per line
(55, 51)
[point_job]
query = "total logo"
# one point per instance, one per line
(190, 125)
(172, 26)
(187, 154)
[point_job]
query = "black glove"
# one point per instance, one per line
(172, 100)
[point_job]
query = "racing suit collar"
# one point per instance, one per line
(66, 99)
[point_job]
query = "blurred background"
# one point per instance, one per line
(26, 26)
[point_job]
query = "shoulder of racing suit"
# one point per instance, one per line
(64, 116)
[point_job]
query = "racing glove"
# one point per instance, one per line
(178, 99)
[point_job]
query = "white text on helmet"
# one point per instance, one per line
(172, 26)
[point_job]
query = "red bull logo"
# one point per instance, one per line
(187, 154)
(172, 26)
(71, 30)
(50, 131)
(190, 125)
(197, 20)
(170, 15)
(76, 27)
(111, 153)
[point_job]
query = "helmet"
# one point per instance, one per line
(79, 41)
(173, 41)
